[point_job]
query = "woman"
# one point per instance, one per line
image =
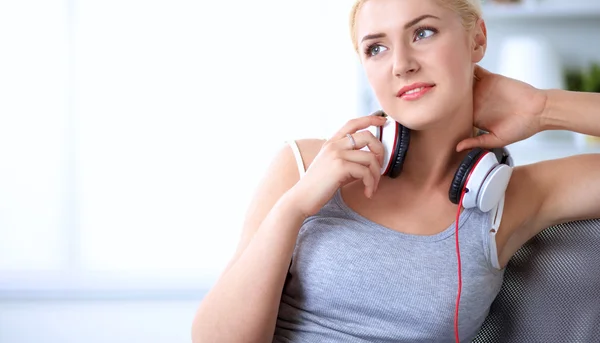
(332, 251)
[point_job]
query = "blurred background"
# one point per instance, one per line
(133, 133)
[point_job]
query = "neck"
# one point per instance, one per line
(432, 159)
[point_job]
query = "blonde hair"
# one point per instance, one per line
(468, 10)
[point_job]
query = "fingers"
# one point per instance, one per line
(352, 162)
(366, 138)
(362, 139)
(359, 171)
(464, 144)
(367, 159)
(359, 123)
(485, 141)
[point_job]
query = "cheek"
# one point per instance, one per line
(455, 63)
(377, 76)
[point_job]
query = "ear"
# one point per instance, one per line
(479, 41)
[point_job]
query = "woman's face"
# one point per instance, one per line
(418, 59)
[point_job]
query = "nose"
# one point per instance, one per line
(404, 63)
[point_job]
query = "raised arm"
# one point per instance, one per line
(573, 111)
(243, 304)
(548, 192)
(512, 110)
(570, 187)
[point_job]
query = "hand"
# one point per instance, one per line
(508, 109)
(338, 163)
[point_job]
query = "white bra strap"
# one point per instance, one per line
(298, 156)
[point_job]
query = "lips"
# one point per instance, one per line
(414, 90)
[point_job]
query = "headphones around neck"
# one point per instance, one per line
(483, 174)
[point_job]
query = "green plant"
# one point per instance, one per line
(587, 80)
(591, 79)
(574, 80)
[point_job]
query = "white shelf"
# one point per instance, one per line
(541, 11)
(532, 151)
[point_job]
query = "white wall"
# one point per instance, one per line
(576, 39)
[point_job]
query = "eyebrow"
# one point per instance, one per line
(406, 26)
(418, 19)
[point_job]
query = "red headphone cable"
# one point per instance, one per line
(465, 190)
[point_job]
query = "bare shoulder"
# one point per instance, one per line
(309, 149)
(280, 176)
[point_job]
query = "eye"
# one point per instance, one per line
(424, 32)
(374, 49)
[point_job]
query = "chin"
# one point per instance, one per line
(418, 118)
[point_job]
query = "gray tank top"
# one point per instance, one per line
(353, 280)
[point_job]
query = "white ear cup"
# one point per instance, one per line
(387, 134)
(389, 139)
(477, 178)
(493, 187)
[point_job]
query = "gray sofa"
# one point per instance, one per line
(551, 290)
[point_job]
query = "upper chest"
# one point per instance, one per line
(408, 211)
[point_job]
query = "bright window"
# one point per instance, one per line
(133, 133)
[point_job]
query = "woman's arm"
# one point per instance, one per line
(573, 111)
(570, 186)
(512, 110)
(548, 193)
(243, 304)
(561, 190)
